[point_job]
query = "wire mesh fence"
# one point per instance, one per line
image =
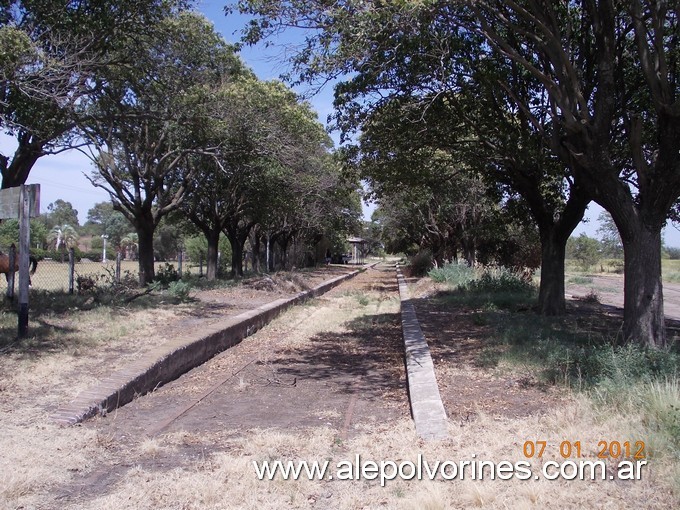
(66, 276)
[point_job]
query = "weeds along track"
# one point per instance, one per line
(182, 410)
(188, 348)
(305, 369)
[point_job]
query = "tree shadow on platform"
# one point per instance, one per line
(369, 354)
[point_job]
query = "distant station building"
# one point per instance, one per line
(358, 249)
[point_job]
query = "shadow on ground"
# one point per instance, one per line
(39, 340)
(370, 349)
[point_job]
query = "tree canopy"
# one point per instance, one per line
(582, 93)
(51, 56)
(151, 118)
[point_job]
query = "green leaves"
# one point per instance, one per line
(16, 50)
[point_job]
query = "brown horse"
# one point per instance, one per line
(4, 264)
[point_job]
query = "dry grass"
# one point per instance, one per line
(42, 465)
(226, 478)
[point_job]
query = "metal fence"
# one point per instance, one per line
(64, 276)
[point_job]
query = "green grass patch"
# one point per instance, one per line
(456, 275)
(490, 289)
(656, 405)
(579, 357)
(635, 381)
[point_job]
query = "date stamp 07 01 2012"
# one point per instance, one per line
(573, 449)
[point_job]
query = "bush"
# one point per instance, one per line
(48, 254)
(94, 256)
(56, 255)
(673, 252)
(179, 289)
(501, 280)
(456, 275)
(421, 263)
(166, 275)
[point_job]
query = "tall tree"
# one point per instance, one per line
(150, 119)
(271, 146)
(63, 237)
(61, 212)
(103, 219)
(610, 71)
(609, 236)
(51, 52)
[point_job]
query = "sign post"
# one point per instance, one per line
(22, 202)
(24, 248)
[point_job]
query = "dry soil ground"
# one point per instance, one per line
(325, 381)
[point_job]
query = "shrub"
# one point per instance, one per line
(421, 263)
(179, 289)
(616, 266)
(456, 275)
(93, 255)
(87, 283)
(501, 280)
(166, 275)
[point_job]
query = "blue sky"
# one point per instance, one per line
(63, 176)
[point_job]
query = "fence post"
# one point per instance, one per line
(71, 269)
(118, 258)
(10, 275)
(179, 263)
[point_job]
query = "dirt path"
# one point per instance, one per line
(324, 382)
(336, 362)
(608, 288)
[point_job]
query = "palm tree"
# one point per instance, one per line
(130, 243)
(64, 237)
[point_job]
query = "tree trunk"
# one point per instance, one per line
(643, 292)
(554, 232)
(236, 257)
(146, 259)
(256, 245)
(470, 252)
(283, 245)
(25, 157)
(269, 260)
(213, 239)
(551, 299)
(639, 226)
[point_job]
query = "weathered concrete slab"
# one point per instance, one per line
(167, 362)
(427, 408)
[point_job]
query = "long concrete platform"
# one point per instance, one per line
(426, 402)
(167, 362)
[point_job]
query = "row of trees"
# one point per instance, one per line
(554, 104)
(177, 128)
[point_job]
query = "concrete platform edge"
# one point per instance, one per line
(169, 361)
(427, 408)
